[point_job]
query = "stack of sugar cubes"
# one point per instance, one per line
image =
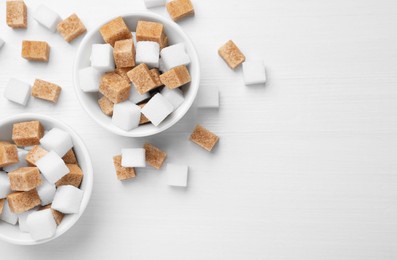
(39, 179)
(138, 76)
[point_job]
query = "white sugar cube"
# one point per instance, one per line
(67, 199)
(154, 3)
(57, 140)
(174, 96)
(174, 56)
(89, 79)
(208, 97)
(157, 109)
(148, 53)
(7, 215)
(134, 157)
(21, 163)
(126, 115)
(102, 57)
(41, 224)
(162, 66)
(22, 220)
(47, 17)
(135, 97)
(134, 38)
(254, 72)
(2, 42)
(177, 175)
(17, 91)
(4, 185)
(52, 167)
(46, 192)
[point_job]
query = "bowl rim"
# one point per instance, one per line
(183, 109)
(89, 173)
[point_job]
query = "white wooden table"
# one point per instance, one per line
(306, 167)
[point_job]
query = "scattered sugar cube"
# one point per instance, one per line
(47, 17)
(46, 192)
(24, 178)
(70, 157)
(58, 216)
(126, 115)
(52, 167)
(5, 187)
(133, 157)
(17, 91)
(41, 224)
(176, 77)
(106, 105)
(135, 97)
(254, 72)
(27, 133)
(8, 154)
(35, 51)
(174, 56)
(17, 14)
(89, 79)
(124, 53)
(58, 141)
(22, 220)
(123, 73)
(115, 30)
(154, 156)
(156, 77)
(102, 57)
(114, 87)
(143, 120)
(154, 3)
(179, 9)
(22, 201)
(122, 173)
(208, 98)
(142, 79)
(46, 90)
(67, 199)
(150, 31)
(148, 53)
(71, 28)
(22, 161)
(204, 138)
(74, 177)
(35, 154)
(177, 175)
(7, 215)
(231, 54)
(174, 96)
(157, 109)
(2, 42)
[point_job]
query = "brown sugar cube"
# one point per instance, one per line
(35, 154)
(24, 178)
(70, 157)
(164, 42)
(231, 54)
(35, 50)
(154, 156)
(143, 120)
(123, 73)
(156, 77)
(114, 87)
(46, 90)
(179, 9)
(142, 78)
(74, 177)
(8, 154)
(71, 28)
(22, 201)
(124, 53)
(106, 106)
(27, 133)
(122, 173)
(204, 138)
(1, 205)
(115, 30)
(58, 216)
(176, 77)
(150, 31)
(17, 14)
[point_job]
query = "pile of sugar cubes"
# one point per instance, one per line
(39, 179)
(138, 76)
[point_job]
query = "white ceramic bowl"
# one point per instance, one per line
(89, 101)
(11, 233)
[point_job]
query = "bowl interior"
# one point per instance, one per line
(90, 100)
(12, 233)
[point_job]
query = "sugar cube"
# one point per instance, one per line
(2, 42)
(24, 178)
(102, 57)
(52, 167)
(27, 133)
(126, 115)
(68, 199)
(47, 17)
(231, 54)
(176, 77)
(157, 109)
(1, 206)
(46, 90)
(122, 173)
(135, 97)
(156, 77)
(22, 161)
(17, 91)
(71, 28)
(154, 156)
(35, 154)
(89, 79)
(58, 216)
(8, 154)
(115, 30)
(22, 220)
(177, 175)
(17, 14)
(254, 72)
(204, 138)
(46, 192)
(179, 9)
(148, 53)
(41, 224)
(174, 56)
(174, 96)
(7, 215)
(5, 187)
(124, 53)
(22, 201)
(208, 97)
(35, 51)
(150, 31)
(154, 3)
(114, 87)
(123, 73)
(106, 106)
(133, 157)
(70, 157)
(143, 120)
(57, 140)
(142, 79)
(74, 177)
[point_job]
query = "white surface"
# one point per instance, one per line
(305, 167)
